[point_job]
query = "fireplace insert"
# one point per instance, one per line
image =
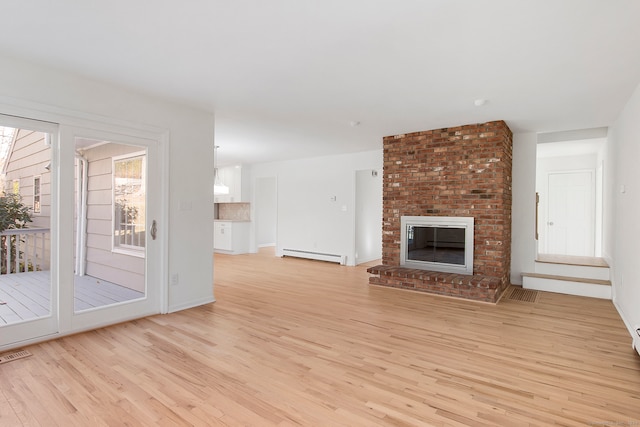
(437, 243)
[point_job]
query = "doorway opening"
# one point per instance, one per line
(569, 174)
(368, 216)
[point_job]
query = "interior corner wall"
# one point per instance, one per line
(622, 207)
(523, 243)
(39, 91)
(317, 200)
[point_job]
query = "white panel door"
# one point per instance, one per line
(571, 213)
(94, 250)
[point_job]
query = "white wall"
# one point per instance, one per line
(309, 218)
(547, 165)
(266, 210)
(622, 212)
(44, 93)
(523, 243)
(306, 214)
(368, 220)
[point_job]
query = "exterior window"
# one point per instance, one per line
(129, 197)
(15, 187)
(36, 194)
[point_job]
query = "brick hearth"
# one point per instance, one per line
(460, 171)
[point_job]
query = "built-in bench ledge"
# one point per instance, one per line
(475, 287)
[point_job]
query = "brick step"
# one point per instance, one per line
(476, 287)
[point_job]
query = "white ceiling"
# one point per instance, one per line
(287, 77)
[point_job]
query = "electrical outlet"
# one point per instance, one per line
(175, 279)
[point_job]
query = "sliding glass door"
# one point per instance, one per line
(80, 228)
(114, 180)
(28, 214)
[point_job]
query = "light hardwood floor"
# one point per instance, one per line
(297, 342)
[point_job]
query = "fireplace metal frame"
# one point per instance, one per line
(466, 223)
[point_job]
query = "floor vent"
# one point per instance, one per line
(526, 295)
(9, 357)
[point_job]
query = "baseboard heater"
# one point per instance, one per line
(340, 259)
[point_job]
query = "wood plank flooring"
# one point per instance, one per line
(297, 342)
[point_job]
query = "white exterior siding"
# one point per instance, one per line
(28, 158)
(101, 261)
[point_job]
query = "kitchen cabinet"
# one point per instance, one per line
(234, 178)
(231, 237)
(222, 235)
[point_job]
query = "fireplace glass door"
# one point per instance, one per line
(436, 244)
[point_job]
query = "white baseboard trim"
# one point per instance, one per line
(191, 304)
(633, 330)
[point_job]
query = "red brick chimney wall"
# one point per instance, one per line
(459, 171)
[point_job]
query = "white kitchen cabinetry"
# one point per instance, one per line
(231, 237)
(232, 177)
(222, 236)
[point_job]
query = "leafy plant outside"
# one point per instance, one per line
(14, 214)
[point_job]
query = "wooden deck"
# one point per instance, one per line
(26, 296)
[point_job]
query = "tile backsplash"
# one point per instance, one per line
(234, 211)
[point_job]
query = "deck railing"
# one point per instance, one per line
(24, 249)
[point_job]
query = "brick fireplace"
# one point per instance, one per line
(463, 171)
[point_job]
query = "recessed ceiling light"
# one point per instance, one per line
(479, 102)
(354, 123)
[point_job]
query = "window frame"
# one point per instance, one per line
(37, 194)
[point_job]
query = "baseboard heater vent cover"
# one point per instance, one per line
(319, 256)
(10, 357)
